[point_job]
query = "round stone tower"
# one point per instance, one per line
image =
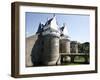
(64, 44)
(51, 36)
(64, 40)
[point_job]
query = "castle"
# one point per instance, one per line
(50, 40)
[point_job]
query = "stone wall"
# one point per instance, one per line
(45, 50)
(42, 50)
(30, 44)
(64, 46)
(51, 50)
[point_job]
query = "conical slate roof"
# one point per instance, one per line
(64, 30)
(51, 27)
(48, 22)
(40, 28)
(51, 24)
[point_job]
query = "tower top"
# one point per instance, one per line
(51, 27)
(51, 24)
(65, 30)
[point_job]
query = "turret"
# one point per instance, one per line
(51, 27)
(51, 36)
(64, 40)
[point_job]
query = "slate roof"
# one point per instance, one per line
(40, 28)
(48, 22)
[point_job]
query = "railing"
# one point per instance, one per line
(72, 57)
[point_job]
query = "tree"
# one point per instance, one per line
(84, 47)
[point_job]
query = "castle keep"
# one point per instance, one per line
(49, 42)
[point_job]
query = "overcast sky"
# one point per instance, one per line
(78, 25)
